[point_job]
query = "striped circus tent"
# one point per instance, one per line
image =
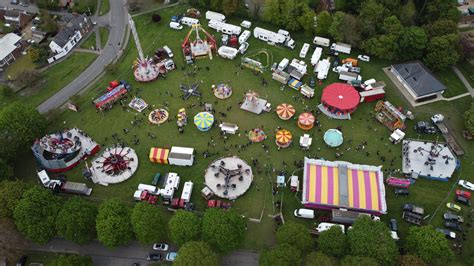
(159, 155)
(204, 121)
(285, 111)
(283, 138)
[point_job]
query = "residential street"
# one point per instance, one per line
(117, 21)
(132, 253)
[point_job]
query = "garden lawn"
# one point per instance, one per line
(362, 127)
(21, 64)
(90, 42)
(467, 70)
(104, 7)
(104, 36)
(452, 82)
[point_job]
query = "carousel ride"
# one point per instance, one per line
(158, 116)
(144, 69)
(306, 121)
(114, 165)
(256, 135)
(204, 121)
(333, 138)
(283, 138)
(222, 91)
(190, 90)
(285, 111)
(198, 48)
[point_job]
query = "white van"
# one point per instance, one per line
(168, 51)
(325, 226)
(176, 25)
(283, 64)
(189, 21)
(304, 50)
(304, 213)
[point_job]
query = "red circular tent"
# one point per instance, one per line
(340, 98)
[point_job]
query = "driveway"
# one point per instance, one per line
(117, 20)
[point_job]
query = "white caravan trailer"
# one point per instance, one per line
(223, 27)
(189, 21)
(316, 55)
(181, 156)
(349, 76)
(244, 36)
(211, 15)
(322, 68)
(187, 190)
(268, 36)
(283, 64)
(171, 185)
(321, 41)
(341, 47)
(149, 188)
(304, 50)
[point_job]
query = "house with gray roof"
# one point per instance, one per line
(418, 81)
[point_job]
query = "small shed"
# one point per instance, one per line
(281, 181)
(294, 183)
(159, 155)
(207, 193)
(229, 128)
(305, 141)
(397, 136)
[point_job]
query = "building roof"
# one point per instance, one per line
(63, 36)
(419, 78)
(8, 44)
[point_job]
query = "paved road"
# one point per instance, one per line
(130, 254)
(30, 8)
(117, 20)
(464, 80)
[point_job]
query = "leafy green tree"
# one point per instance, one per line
(296, 235)
(469, 119)
(223, 229)
(20, 124)
(358, 260)
(48, 4)
(148, 223)
(184, 226)
(216, 5)
(412, 43)
(336, 27)
(372, 239)
(229, 7)
(76, 221)
(442, 52)
(6, 170)
(408, 13)
(442, 9)
(350, 6)
(351, 30)
(428, 244)
(441, 27)
(319, 258)
(410, 260)
(324, 21)
(307, 20)
(274, 11)
(113, 223)
(294, 10)
(392, 25)
(196, 253)
(281, 254)
(67, 260)
(36, 213)
(10, 194)
(371, 17)
(333, 242)
(47, 23)
(383, 46)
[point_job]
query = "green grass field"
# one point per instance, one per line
(90, 41)
(104, 36)
(426, 193)
(452, 82)
(104, 7)
(21, 64)
(467, 70)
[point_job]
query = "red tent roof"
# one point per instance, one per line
(341, 96)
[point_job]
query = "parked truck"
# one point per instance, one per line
(341, 47)
(273, 37)
(345, 216)
(349, 76)
(75, 188)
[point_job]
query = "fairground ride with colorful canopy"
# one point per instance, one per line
(198, 48)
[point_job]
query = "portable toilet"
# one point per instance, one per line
(294, 183)
(281, 181)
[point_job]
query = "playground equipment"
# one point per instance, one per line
(144, 68)
(252, 62)
(198, 48)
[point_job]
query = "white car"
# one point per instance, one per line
(466, 184)
(160, 246)
(364, 58)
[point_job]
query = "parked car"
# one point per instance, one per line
(402, 191)
(160, 246)
(154, 256)
(393, 225)
(424, 127)
(312, 82)
(364, 58)
(466, 184)
(171, 256)
(453, 207)
(447, 233)
(304, 213)
(454, 226)
(336, 62)
(463, 200)
(463, 193)
(451, 217)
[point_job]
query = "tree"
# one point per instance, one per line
(441, 52)
(282, 254)
(223, 229)
(292, 11)
(469, 119)
(428, 244)
(20, 124)
(47, 4)
(6, 170)
(392, 25)
(76, 221)
(372, 239)
(296, 235)
(307, 20)
(196, 253)
(156, 17)
(371, 18)
(336, 27)
(442, 9)
(113, 223)
(333, 242)
(27, 78)
(351, 30)
(10, 194)
(35, 214)
(184, 226)
(441, 27)
(319, 258)
(383, 46)
(47, 23)
(412, 43)
(358, 260)
(216, 5)
(410, 260)
(408, 13)
(134, 5)
(229, 7)
(38, 54)
(274, 12)
(323, 25)
(148, 223)
(66, 260)
(12, 243)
